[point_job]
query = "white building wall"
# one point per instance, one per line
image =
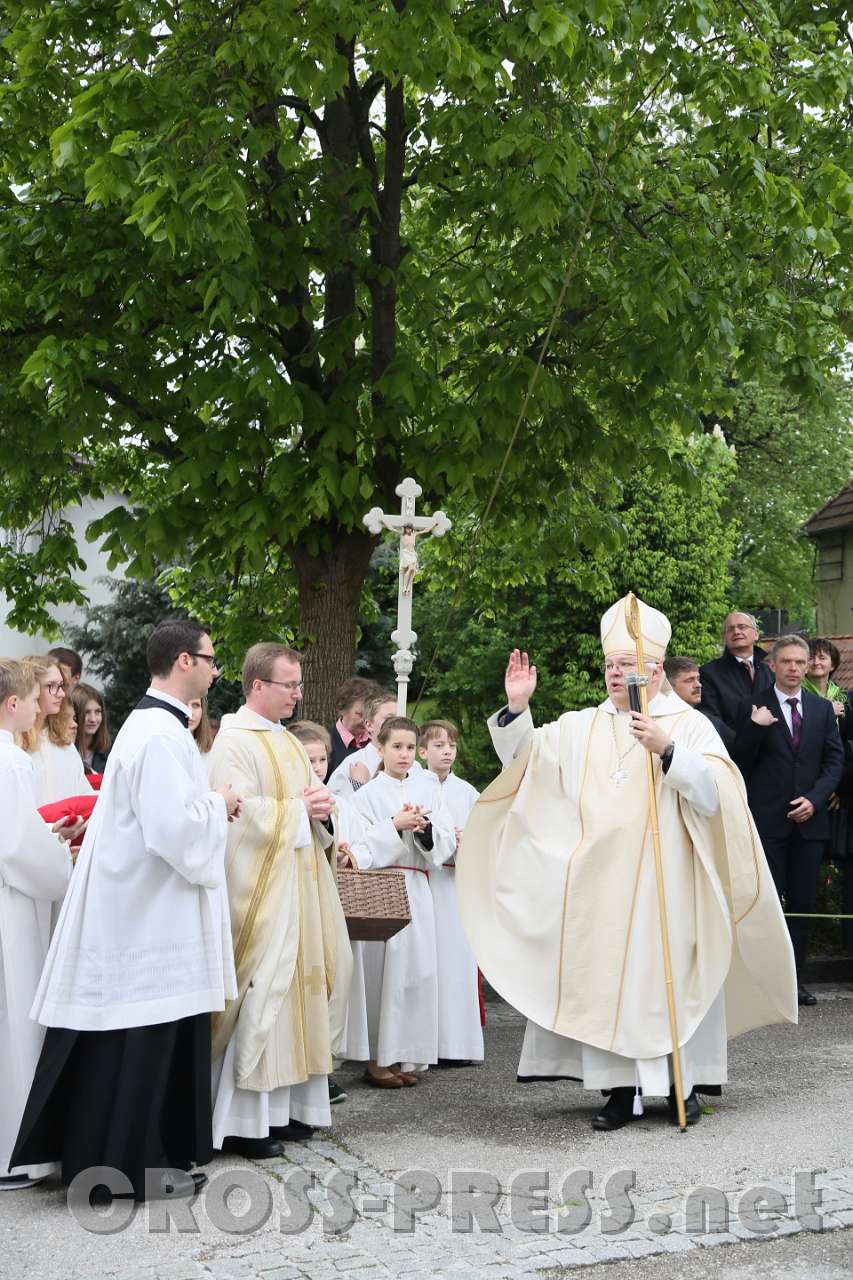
(15, 644)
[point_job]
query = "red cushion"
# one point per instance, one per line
(70, 807)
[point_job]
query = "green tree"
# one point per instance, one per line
(258, 261)
(791, 459)
(113, 637)
(675, 557)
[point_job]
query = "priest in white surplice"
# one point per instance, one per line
(556, 885)
(273, 1045)
(141, 954)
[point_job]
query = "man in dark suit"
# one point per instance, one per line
(732, 683)
(791, 757)
(683, 674)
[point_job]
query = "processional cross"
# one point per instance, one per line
(408, 527)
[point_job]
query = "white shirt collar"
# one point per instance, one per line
(751, 658)
(783, 697)
(167, 697)
(7, 733)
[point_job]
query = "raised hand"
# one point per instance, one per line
(519, 681)
(763, 715)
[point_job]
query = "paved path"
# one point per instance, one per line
(393, 1182)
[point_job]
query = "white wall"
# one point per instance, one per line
(14, 644)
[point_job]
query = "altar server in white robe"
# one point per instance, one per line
(460, 1032)
(361, 765)
(556, 884)
(35, 864)
(348, 829)
(273, 1045)
(141, 954)
(57, 768)
(400, 974)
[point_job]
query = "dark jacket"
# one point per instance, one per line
(339, 751)
(775, 774)
(727, 691)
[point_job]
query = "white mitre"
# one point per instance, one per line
(616, 638)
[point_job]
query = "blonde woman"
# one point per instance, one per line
(58, 768)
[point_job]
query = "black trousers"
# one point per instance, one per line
(132, 1100)
(795, 866)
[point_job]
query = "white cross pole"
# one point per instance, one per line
(407, 527)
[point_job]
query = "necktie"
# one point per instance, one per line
(796, 722)
(750, 669)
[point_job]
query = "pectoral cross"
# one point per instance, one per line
(619, 776)
(408, 528)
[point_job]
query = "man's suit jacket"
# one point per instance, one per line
(340, 750)
(727, 691)
(775, 773)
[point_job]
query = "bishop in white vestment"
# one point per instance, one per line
(556, 882)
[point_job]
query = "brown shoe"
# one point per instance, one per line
(383, 1082)
(405, 1077)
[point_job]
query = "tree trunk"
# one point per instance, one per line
(330, 586)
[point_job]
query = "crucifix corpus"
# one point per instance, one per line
(408, 527)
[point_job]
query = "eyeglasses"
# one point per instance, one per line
(290, 685)
(208, 657)
(55, 689)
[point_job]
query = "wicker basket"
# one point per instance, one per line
(375, 903)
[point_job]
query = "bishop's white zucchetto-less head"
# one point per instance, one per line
(616, 638)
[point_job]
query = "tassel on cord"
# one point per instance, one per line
(638, 1101)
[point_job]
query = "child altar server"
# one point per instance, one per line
(360, 766)
(34, 868)
(400, 974)
(460, 1033)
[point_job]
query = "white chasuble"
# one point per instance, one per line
(291, 947)
(460, 1032)
(400, 974)
(34, 870)
(557, 889)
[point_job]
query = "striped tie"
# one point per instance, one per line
(796, 722)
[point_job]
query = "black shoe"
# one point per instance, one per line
(296, 1131)
(255, 1148)
(692, 1109)
(172, 1184)
(336, 1093)
(453, 1062)
(804, 996)
(617, 1111)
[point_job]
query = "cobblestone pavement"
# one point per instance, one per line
(472, 1176)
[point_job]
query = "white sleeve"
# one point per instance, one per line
(33, 860)
(183, 825)
(510, 740)
(690, 775)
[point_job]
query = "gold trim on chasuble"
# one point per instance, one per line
(268, 857)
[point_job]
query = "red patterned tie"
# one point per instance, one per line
(796, 722)
(750, 668)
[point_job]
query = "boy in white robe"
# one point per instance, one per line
(360, 766)
(34, 868)
(400, 974)
(141, 954)
(460, 1032)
